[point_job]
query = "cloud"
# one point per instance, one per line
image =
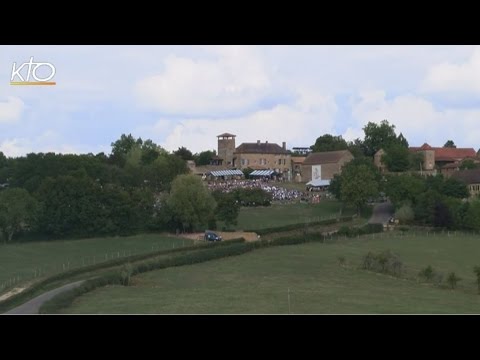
(235, 80)
(451, 77)
(48, 141)
(11, 110)
(298, 124)
(418, 119)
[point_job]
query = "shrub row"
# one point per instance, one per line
(28, 293)
(364, 230)
(65, 299)
(300, 226)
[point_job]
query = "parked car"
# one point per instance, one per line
(211, 236)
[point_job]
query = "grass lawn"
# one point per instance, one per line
(24, 260)
(261, 282)
(284, 214)
(293, 186)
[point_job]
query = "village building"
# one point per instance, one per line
(324, 165)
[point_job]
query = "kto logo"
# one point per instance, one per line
(46, 72)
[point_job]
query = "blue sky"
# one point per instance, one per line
(186, 95)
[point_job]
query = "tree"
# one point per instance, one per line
(356, 147)
(450, 144)
(70, 206)
(442, 216)
(329, 142)
(404, 188)
(416, 160)
(402, 141)
(133, 158)
(3, 168)
(424, 206)
(468, 164)
(183, 153)
(405, 214)
(472, 217)
(121, 147)
(151, 151)
(3, 160)
(190, 202)
(396, 158)
(335, 186)
(17, 211)
(455, 188)
(381, 137)
(358, 184)
(204, 157)
(247, 171)
(227, 209)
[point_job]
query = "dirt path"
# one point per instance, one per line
(33, 306)
(248, 236)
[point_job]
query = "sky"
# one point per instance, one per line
(187, 95)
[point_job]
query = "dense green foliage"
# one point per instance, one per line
(17, 212)
(89, 195)
(329, 142)
(191, 203)
(381, 136)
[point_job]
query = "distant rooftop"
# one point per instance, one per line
(325, 157)
(260, 148)
(226, 135)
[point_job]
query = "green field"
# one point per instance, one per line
(309, 275)
(26, 260)
(22, 262)
(284, 214)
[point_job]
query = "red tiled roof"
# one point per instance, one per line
(446, 154)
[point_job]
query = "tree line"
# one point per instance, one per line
(431, 200)
(50, 195)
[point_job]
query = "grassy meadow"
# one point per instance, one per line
(304, 279)
(252, 218)
(25, 261)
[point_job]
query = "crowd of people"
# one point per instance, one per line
(279, 193)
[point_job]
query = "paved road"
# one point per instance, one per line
(381, 213)
(32, 306)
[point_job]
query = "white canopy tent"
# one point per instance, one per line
(218, 173)
(318, 183)
(262, 173)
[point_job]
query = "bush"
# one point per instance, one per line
(476, 270)
(405, 214)
(427, 273)
(438, 278)
(125, 274)
(291, 227)
(357, 231)
(385, 262)
(452, 280)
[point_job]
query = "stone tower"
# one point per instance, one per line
(226, 148)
